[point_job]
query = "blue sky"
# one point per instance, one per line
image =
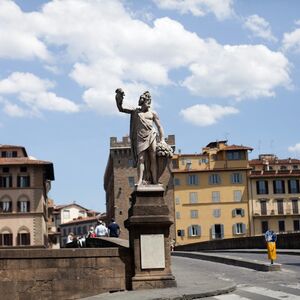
(216, 70)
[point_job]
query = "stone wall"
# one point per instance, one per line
(64, 273)
(284, 241)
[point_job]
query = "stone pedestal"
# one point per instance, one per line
(148, 224)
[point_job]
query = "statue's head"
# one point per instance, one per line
(145, 96)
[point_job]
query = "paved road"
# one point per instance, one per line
(289, 262)
(252, 284)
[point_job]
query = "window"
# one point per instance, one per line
(280, 206)
(293, 185)
(262, 187)
(235, 155)
(23, 181)
(177, 215)
(188, 165)
(283, 168)
(214, 179)
(217, 231)
(180, 232)
(278, 187)
(295, 206)
(130, 162)
(296, 225)
(194, 230)
(8, 153)
(23, 169)
(217, 213)
(5, 170)
(263, 207)
(295, 167)
(238, 212)
(237, 196)
(281, 226)
(239, 228)
(23, 206)
(5, 205)
(177, 200)
(193, 197)
(23, 239)
(176, 181)
(66, 214)
(192, 180)
(194, 214)
(131, 181)
(215, 196)
(203, 161)
(6, 239)
(264, 226)
(5, 181)
(236, 178)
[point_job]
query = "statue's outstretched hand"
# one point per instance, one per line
(119, 97)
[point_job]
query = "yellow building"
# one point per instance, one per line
(274, 194)
(211, 193)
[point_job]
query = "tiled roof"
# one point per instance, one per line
(22, 161)
(275, 161)
(81, 220)
(236, 147)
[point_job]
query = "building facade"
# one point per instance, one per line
(119, 180)
(274, 194)
(211, 193)
(24, 185)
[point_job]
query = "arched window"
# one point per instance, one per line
(6, 237)
(23, 238)
(5, 204)
(23, 204)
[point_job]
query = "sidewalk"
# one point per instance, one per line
(192, 283)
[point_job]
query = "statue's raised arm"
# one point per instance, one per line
(119, 100)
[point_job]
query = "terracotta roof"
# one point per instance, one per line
(81, 220)
(275, 161)
(236, 147)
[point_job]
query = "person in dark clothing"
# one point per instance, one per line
(113, 229)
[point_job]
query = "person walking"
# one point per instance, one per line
(101, 229)
(113, 229)
(271, 238)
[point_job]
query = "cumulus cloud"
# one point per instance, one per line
(221, 9)
(205, 115)
(103, 47)
(246, 71)
(291, 40)
(32, 92)
(260, 27)
(295, 148)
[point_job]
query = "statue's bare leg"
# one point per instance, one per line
(140, 167)
(153, 163)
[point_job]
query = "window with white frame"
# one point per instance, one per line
(238, 212)
(177, 215)
(215, 196)
(192, 179)
(6, 181)
(24, 206)
(214, 179)
(217, 213)
(193, 197)
(6, 205)
(176, 181)
(239, 228)
(237, 195)
(236, 177)
(194, 230)
(177, 200)
(217, 231)
(194, 214)
(23, 181)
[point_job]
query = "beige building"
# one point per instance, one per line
(120, 177)
(211, 193)
(24, 185)
(274, 194)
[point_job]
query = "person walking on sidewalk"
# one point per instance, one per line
(271, 237)
(113, 229)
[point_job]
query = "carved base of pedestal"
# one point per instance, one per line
(153, 282)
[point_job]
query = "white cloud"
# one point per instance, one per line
(32, 92)
(291, 40)
(18, 38)
(246, 71)
(260, 27)
(221, 9)
(295, 148)
(107, 48)
(204, 115)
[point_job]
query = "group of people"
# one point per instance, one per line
(112, 230)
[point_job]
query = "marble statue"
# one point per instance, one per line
(143, 135)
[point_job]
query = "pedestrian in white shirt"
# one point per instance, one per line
(101, 229)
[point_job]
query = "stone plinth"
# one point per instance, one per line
(149, 238)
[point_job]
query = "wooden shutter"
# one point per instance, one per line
(199, 230)
(222, 231)
(1, 236)
(19, 239)
(233, 213)
(243, 228)
(242, 212)
(19, 206)
(213, 232)
(283, 186)
(190, 229)
(234, 230)
(18, 181)
(28, 206)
